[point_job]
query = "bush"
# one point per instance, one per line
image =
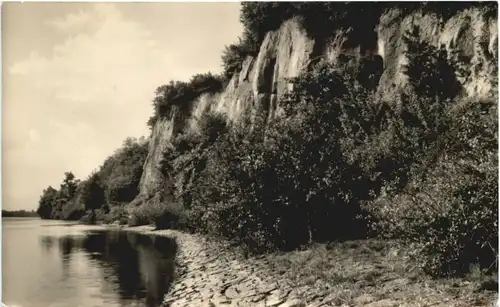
(116, 214)
(449, 209)
(89, 218)
(421, 167)
(437, 189)
(115, 183)
(287, 186)
(172, 216)
(46, 202)
(189, 155)
(428, 69)
(137, 220)
(304, 177)
(143, 215)
(146, 213)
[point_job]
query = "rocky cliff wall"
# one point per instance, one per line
(470, 34)
(287, 51)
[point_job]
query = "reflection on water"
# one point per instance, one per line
(70, 266)
(141, 266)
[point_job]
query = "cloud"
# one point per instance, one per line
(71, 21)
(73, 108)
(71, 97)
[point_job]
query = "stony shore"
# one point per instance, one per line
(211, 274)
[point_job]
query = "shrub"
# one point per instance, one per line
(428, 69)
(438, 191)
(89, 218)
(207, 83)
(147, 213)
(137, 220)
(116, 182)
(152, 120)
(449, 207)
(172, 216)
(116, 214)
(189, 154)
(290, 185)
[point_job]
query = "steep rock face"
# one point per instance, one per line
(469, 34)
(151, 180)
(256, 88)
(287, 51)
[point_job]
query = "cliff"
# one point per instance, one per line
(469, 35)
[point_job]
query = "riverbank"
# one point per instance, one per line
(362, 273)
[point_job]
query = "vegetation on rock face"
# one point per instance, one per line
(321, 19)
(233, 57)
(340, 164)
(181, 94)
(429, 71)
(120, 174)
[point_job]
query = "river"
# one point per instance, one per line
(56, 263)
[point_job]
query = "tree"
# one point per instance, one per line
(69, 185)
(233, 57)
(92, 194)
(47, 202)
(120, 174)
(429, 72)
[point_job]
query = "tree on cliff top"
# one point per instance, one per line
(181, 94)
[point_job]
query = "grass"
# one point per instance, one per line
(356, 272)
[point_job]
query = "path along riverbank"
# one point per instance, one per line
(351, 274)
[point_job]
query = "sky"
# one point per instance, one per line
(79, 78)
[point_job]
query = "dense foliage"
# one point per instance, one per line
(420, 167)
(320, 19)
(181, 94)
(54, 203)
(120, 174)
(341, 164)
(113, 185)
(449, 205)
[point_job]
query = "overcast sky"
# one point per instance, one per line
(79, 78)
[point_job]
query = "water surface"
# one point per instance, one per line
(54, 263)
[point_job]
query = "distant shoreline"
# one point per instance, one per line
(20, 213)
(21, 217)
